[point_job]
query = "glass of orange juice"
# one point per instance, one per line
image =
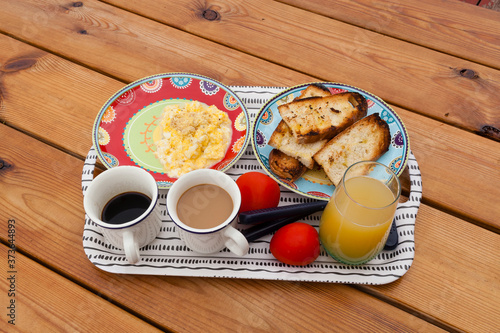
(356, 221)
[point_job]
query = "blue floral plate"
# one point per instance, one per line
(314, 183)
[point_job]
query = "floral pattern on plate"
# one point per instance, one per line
(314, 183)
(127, 125)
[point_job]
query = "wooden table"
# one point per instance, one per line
(436, 62)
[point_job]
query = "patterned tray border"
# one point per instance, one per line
(167, 255)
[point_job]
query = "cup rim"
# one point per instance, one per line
(390, 171)
(223, 225)
(99, 178)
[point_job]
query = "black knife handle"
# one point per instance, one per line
(263, 229)
(270, 214)
(392, 239)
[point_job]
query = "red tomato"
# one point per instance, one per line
(295, 244)
(258, 191)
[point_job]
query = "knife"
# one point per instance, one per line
(275, 213)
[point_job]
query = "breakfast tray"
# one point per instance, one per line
(167, 255)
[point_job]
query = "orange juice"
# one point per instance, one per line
(354, 225)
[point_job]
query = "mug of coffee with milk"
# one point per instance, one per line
(204, 205)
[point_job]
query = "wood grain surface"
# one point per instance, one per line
(61, 61)
(420, 79)
(44, 300)
(130, 47)
(454, 28)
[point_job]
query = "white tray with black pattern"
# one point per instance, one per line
(167, 255)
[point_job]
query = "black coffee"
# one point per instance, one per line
(125, 207)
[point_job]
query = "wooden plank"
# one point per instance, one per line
(449, 26)
(130, 47)
(456, 284)
(31, 81)
(43, 301)
(460, 170)
(444, 87)
(31, 103)
(45, 199)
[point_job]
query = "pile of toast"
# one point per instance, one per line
(330, 130)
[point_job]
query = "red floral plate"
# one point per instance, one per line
(126, 127)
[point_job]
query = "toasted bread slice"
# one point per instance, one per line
(283, 140)
(316, 118)
(365, 140)
(314, 90)
(285, 166)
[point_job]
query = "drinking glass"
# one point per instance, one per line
(356, 221)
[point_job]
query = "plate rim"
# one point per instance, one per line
(165, 184)
(304, 85)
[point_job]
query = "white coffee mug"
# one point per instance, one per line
(216, 238)
(129, 236)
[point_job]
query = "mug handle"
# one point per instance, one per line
(236, 242)
(131, 247)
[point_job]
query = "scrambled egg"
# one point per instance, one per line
(194, 136)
